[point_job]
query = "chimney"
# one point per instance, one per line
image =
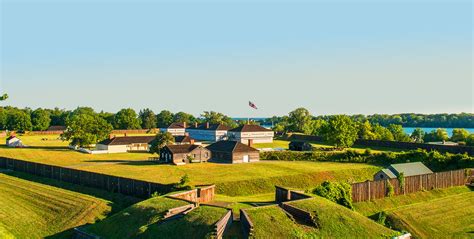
(195, 124)
(207, 125)
(125, 134)
(184, 124)
(191, 141)
(250, 143)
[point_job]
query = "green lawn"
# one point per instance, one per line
(237, 179)
(196, 224)
(33, 210)
(445, 213)
(336, 221)
(135, 220)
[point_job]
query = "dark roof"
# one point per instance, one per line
(230, 146)
(299, 143)
(211, 127)
(56, 128)
(176, 126)
(127, 140)
(183, 139)
(182, 148)
(250, 128)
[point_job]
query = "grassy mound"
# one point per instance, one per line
(373, 207)
(273, 222)
(135, 220)
(336, 221)
(33, 210)
(196, 224)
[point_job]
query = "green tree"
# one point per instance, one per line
(317, 126)
(398, 133)
(418, 135)
(84, 129)
(18, 120)
(365, 131)
(218, 118)
(300, 120)
(126, 119)
(148, 118)
(470, 140)
(164, 119)
(3, 97)
(40, 119)
(338, 192)
(58, 116)
(340, 131)
(436, 135)
(3, 118)
(160, 141)
(382, 133)
(459, 135)
(181, 117)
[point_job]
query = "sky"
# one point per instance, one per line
(331, 57)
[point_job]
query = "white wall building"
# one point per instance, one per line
(208, 132)
(256, 133)
(175, 129)
(125, 144)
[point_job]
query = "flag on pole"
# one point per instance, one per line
(252, 105)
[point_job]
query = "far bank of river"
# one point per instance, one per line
(410, 130)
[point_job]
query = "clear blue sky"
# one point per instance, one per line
(328, 56)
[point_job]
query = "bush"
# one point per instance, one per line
(183, 183)
(381, 217)
(390, 189)
(340, 193)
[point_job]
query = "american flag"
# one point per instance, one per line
(252, 105)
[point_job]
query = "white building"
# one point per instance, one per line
(125, 144)
(208, 132)
(255, 133)
(13, 141)
(175, 129)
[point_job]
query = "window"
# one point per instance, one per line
(206, 155)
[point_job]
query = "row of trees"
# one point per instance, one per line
(462, 120)
(12, 118)
(342, 130)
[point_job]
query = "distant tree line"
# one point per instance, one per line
(461, 120)
(343, 130)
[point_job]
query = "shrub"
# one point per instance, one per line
(390, 189)
(340, 193)
(183, 183)
(401, 182)
(381, 217)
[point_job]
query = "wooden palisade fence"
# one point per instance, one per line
(369, 190)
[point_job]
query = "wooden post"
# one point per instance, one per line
(368, 190)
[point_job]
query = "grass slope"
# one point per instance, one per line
(33, 210)
(196, 224)
(336, 221)
(445, 213)
(370, 208)
(134, 221)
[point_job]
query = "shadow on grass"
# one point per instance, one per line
(117, 201)
(259, 204)
(58, 148)
(124, 162)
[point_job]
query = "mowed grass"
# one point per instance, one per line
(335, 221)
(231, 179)
(133, 222)
(34, 210)
(445, 213)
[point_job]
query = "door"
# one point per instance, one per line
(246, 158)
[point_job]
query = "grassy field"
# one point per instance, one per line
(239, 179)
(134, 221)
(433, 214)
(33, 210)
(336, 221)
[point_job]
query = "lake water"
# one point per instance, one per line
(410, 130)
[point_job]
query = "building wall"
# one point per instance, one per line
(199, 155)
(138, 147)
(174, 132)
(227, 157)
(207, 135)
(257, 137)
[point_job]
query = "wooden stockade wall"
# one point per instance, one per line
(396, 144)
(198, 195)
(223, 224)
(298, 213)
(246, 224)
(284, 195)
(369, 190)
(127, 186)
